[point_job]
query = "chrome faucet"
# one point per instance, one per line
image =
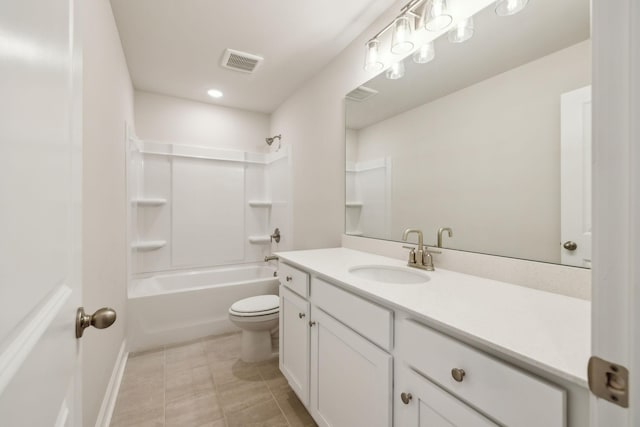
(442, 230)
(420, 258)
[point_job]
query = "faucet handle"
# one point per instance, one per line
(412, 254)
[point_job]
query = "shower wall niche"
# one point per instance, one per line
(196, 207)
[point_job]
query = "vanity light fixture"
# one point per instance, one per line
(462, 31)
(401, 39)
(396, 71)
(424, 54)
(437, 16)
(372, 60)
(429, 15)
(510, 7)
(214, 93)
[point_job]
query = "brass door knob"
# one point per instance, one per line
(458, 374)
(301, 315)
(101, 319)
(406, 398)
(570, 246)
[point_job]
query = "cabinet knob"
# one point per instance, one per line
(311, 323)
(301, 315)
(289, 278)
(458, 374)
(406, 398)
(570, 246)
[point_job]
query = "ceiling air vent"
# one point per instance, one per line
(240, 61)
(361, 93)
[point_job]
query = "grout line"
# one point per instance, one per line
(273, 396)
(164, 386)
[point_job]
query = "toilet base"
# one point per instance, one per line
(256, 346)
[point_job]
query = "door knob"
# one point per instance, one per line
(570, 246)
(101, 319)
(458, 374)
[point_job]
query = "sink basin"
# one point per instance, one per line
(390, 274)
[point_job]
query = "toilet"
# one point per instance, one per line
(257, 317)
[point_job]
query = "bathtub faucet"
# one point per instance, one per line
(270, 258)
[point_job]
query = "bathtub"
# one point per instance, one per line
(175, 307)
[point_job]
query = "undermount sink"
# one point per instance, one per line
(390, 274)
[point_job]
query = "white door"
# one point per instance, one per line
(616, 202)
(576, 177)
(294, 342)
(351, 382)
(40, 213)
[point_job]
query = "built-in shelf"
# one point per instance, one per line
(150, 201)
(354, 233)
(259, 240)
(353, 204)
(148, 245)
(260, 203)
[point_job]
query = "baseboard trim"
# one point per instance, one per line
(111, 394)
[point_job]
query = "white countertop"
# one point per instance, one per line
(542, 329)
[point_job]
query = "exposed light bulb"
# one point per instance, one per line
(401, 38)
(424, 54)
(437, 15)
(396, 71)
(462, 31)
(214, 93)
(510, 7)
(372, 60)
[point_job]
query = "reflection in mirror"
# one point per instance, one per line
(491, 139)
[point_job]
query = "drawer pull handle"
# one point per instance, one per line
(289, 278)
(311, 323)
(301, 315)
(458, 374)
(406, 398)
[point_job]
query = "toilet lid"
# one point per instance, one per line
(257, 304)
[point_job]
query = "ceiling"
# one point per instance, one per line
(174, 47)
(498, 44)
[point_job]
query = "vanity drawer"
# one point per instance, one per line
(506, 394)
(368, 319)
(294, 279)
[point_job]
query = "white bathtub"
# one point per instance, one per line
(175, 307)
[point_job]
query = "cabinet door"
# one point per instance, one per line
(351, 378)
(294, 342)
(427, 405)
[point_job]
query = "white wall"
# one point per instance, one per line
(108, 103)
(180, 121)
(312, 122)
(503, 164)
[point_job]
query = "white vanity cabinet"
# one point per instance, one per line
(354, 361)
(505, 394)
(341, 374)
(421, 403)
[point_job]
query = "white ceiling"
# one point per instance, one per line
(498, 44)
(174, 47)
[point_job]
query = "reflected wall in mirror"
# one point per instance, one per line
(491, 138)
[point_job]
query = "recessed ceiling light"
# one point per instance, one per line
(214, 93)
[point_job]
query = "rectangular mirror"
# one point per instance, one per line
(491, 139)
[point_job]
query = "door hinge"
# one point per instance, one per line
(609, 381)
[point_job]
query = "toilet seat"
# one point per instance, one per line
(261, 305)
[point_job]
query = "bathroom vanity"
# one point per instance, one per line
(366, 341)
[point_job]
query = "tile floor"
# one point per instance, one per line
(204, 384)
